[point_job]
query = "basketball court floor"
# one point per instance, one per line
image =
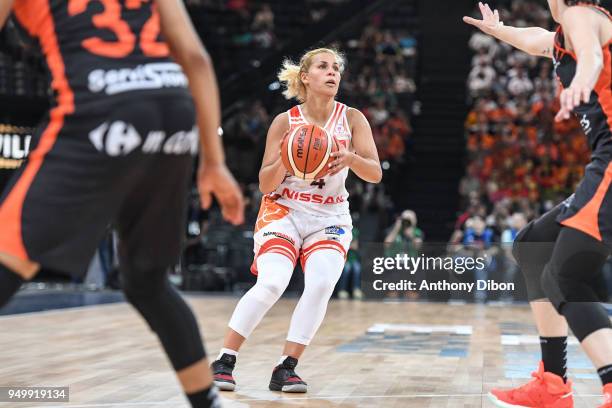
(366, 354)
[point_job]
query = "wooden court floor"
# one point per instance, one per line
(366, 354)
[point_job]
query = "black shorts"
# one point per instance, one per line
(128, 165)
(589, 209)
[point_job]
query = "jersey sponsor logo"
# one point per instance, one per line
(311, 198)
(279, 235)
(341, 132)
(147, 76)
(334, 230)
(586, 125)
(269, 213)
(119, 138)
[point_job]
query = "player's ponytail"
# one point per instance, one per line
(290, 74)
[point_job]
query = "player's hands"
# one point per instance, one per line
(218, 181)
(340, 159)
(572, 97)
(490, 19)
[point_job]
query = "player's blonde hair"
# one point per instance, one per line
(290, 73)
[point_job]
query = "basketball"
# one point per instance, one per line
(306, 151)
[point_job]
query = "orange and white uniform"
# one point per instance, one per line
(301, 216)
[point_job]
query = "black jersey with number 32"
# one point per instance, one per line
(97, 50)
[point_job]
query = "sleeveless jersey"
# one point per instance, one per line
(100, 50)
(327, 196)
(596, 115)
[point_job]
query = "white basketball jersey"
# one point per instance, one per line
(326, 196)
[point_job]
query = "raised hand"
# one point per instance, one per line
(490, 19)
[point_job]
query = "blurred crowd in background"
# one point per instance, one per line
(520, 162)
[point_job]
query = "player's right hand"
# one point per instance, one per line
(490, 19)
(218, 181)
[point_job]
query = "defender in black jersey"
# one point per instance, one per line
(118, 146)
(562, 253)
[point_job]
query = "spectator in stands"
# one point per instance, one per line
(405, 237)
(477, 242)
(481, 78)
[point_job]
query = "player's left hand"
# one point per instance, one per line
(340, 159)
(217, 181)
(572, 97)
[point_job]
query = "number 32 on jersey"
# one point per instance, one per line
(110, 19)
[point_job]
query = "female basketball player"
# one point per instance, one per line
(562, 253)
(118, 148)
(317, 230)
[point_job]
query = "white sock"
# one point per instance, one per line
(227, 351)
(282, 360)
(274, 274)
(323, 269)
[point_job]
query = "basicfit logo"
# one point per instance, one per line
(120, 138)
(279, 235)
(334, 230)
(147, 76)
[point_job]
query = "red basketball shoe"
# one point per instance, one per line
(607, 396)
(546, 390)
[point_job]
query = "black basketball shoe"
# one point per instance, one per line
(285, 379)
(222, 372)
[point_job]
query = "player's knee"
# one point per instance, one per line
(138, 284)
(323, 284)
(521, 241)
(327, 265)
(270, 291)
(555, 287)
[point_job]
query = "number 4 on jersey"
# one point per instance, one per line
(320, 183)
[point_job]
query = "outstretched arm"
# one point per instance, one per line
(581, 27)
(532, 40)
